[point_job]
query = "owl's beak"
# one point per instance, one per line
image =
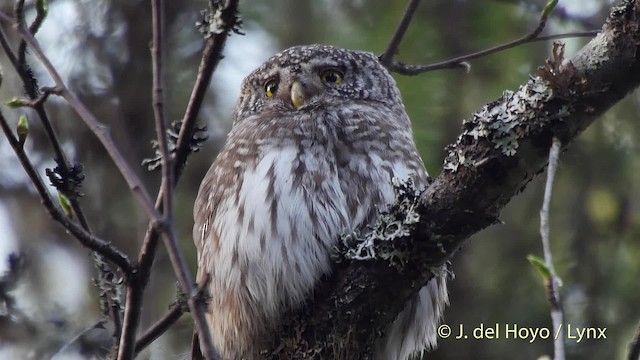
(297, 94)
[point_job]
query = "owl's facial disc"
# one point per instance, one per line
(297, 94)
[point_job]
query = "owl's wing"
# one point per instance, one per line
(215, 187)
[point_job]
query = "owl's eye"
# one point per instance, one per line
(332, 76)
(271, 88)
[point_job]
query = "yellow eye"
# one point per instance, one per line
(271, 88)
(332, 76)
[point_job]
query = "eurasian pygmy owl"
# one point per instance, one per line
(318, 134)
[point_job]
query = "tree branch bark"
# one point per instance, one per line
(497, 154)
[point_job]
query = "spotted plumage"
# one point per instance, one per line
(318, 134)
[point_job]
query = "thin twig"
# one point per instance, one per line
(33, 28)
(160, 116)
(160, 327)
(37, 102)
(211, 56)
(392, 49)
(90, 241)
(104, 273)
(98, 324)
(40, 16)
(131, 317)
(634, 346)
(460, 61)
(18, 15)
(175, 254)
(552, 287)
(94, 125)
(126, 347)
(569, 35)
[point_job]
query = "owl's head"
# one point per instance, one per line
(311, 77)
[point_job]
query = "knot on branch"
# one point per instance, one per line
(195, 143)
(390, 237)
(201, 294)
(66, 182)
(219, 19)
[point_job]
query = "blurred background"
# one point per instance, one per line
(102, 50)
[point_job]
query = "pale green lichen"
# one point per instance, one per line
(387, 238)
(504, 122)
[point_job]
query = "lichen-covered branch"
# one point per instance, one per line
(499, 151)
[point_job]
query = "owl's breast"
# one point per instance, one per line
(278, 230)
(292, 197)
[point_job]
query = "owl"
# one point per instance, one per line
(318, 135)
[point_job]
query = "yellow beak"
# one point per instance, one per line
(297, 94)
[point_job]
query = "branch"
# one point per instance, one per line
(37, 103)
(97, 325)
(87, 239)
(392, 49)
(101, 131)
(160, 116)
(552, 281)
(461, 61)
(497, 154)
(126, 348)
(211, 56)
(63, 166)
(223, 21)
(160, 326)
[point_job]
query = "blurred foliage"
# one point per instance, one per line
(101, 48)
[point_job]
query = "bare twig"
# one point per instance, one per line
(94, 125)
(97, 325)
(461, 61)
(211, 56)
(37, 103)
(18, 12)
(160, 327)
(126, 348)
(552, 286)
(634, 346)
(87, 239)
(387, 57)
(113, 304)
(160, 116)
(560, 13)
(575, 34)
